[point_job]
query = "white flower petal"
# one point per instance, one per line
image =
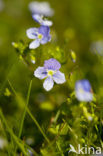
(40, 73)
(34, 44)
(85, 96)
(32, 33)
(47, 23)
(48, 84)
(38, 18)
(41, 8)
(59, 77)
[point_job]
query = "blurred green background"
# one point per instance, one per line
(76, 25)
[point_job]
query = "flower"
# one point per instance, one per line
(41, 20)
(83, 90)
(51, 73)
(41, 36)
(41, 8)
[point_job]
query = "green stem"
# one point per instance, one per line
(32, 117)
(12, 134)
(37, 124)
(27, 102)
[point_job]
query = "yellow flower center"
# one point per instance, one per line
(50, 72)
(81, 90)
(40, 36)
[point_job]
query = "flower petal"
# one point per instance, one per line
(42, 8)
(44, 30)
(32, 33)
(37, 18)
(45, 40)
(83, 90)
(59, 77)
(85, 96)
(47, 23)
(34, 44)
(40, 73)
(52, 64)
(48, 84)
(84, 85)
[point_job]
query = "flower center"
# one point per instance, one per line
(81, 90)
(50, 72)
(40, 36)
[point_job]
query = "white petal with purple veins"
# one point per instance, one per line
(48, 84)
(40, 73)
(59, 77)
(44, 40)
(52, 64)
(32, 33)
(34, 44)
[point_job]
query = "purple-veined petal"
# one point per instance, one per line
(44, 30)
(52, 64)
(45, 40)
(59, 77)
(32, 33)
(48, 83)
(34, 44)
(40, 73)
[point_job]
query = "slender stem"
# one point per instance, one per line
(37, 124)
(24, 113)
(27, 102)
(60, 150)
(12, 134)
(32, 117)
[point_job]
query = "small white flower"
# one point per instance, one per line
(83, 91)
(40, 35)
(41, 8)
(51, 73)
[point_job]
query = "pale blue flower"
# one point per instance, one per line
(50, 71)
(40, 35)
(41, 20)
(83, 90)
(41, 8)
